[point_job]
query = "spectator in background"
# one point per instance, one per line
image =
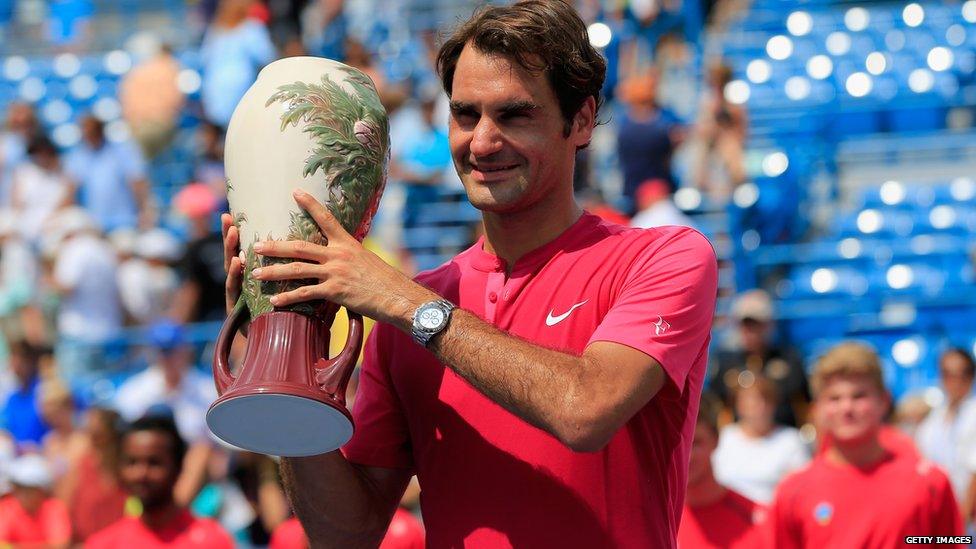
(40, 187)
(754, 453)
(148, 282)
(857, 493)
(714, 515)
(757, 355)
(69, 23)
(200, 295)
(172, 381)
(111, 178)
(31, 517)
(151, 100)
(646, 137)
(20, 128)
(19, 270)
(8, 452)
(324, 28)
(21, 414)
(244, 495)
(720, 135)
(947, 435)
(152, 458)
(64, 444)
(85, 276)
(234, 49)
(655, 207)
(421, 163)
(209, 168)
(92, 489)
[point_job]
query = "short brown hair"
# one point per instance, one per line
(540, 36)
(849, 359)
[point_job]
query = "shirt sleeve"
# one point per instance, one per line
(133, 162)
(381, 437)
(946, 518)
(57, 523)
(665, 306)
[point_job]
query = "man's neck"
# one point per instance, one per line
(858, 454)
(512, 235)
(160, 515)
(705, 492)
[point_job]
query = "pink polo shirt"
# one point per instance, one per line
(488, 478)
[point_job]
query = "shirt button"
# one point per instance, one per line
(493, 297)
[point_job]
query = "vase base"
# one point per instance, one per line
(279, 424)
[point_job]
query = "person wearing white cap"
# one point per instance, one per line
(148, 282)
(32, 516)
(757, 354)
(84, 274)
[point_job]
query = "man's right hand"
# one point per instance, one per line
(233, 260)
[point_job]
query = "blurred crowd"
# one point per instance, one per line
(89, 252)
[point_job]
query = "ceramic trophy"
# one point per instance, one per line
(317, 125)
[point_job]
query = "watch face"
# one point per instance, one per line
(431, 319)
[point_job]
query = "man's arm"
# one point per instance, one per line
(582, 400)
(341, 504)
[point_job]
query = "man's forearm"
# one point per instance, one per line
(541, 386)
(335, 502)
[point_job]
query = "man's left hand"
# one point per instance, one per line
(348, 274)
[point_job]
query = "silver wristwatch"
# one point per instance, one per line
(430, 319)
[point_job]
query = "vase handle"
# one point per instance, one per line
(333, 374)
(221, 361)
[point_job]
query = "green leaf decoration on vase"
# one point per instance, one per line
(351, 135)
(349, 130)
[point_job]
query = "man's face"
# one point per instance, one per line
(148, 468)
(754, 334)
(507, 133)
(956, 381)
(753, 408)
(702, 446)
(851, 408)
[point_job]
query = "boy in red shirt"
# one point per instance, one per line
(714, 516)
(857, 493)
(152, 457)
(30, 516)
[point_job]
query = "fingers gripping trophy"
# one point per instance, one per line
(316, 125)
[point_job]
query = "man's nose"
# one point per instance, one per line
(486, 138)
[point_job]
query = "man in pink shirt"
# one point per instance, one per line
(544, 383)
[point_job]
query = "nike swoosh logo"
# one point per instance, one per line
(553, 320)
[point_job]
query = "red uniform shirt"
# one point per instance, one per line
(834, 505)
(50, 525)
(729, 523)
(183, 532)
(490, 479)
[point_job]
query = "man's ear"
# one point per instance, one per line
(583, 123)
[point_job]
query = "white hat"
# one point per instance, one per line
(158, 244)
(62, 224)
(754, 304)
(32, 471)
